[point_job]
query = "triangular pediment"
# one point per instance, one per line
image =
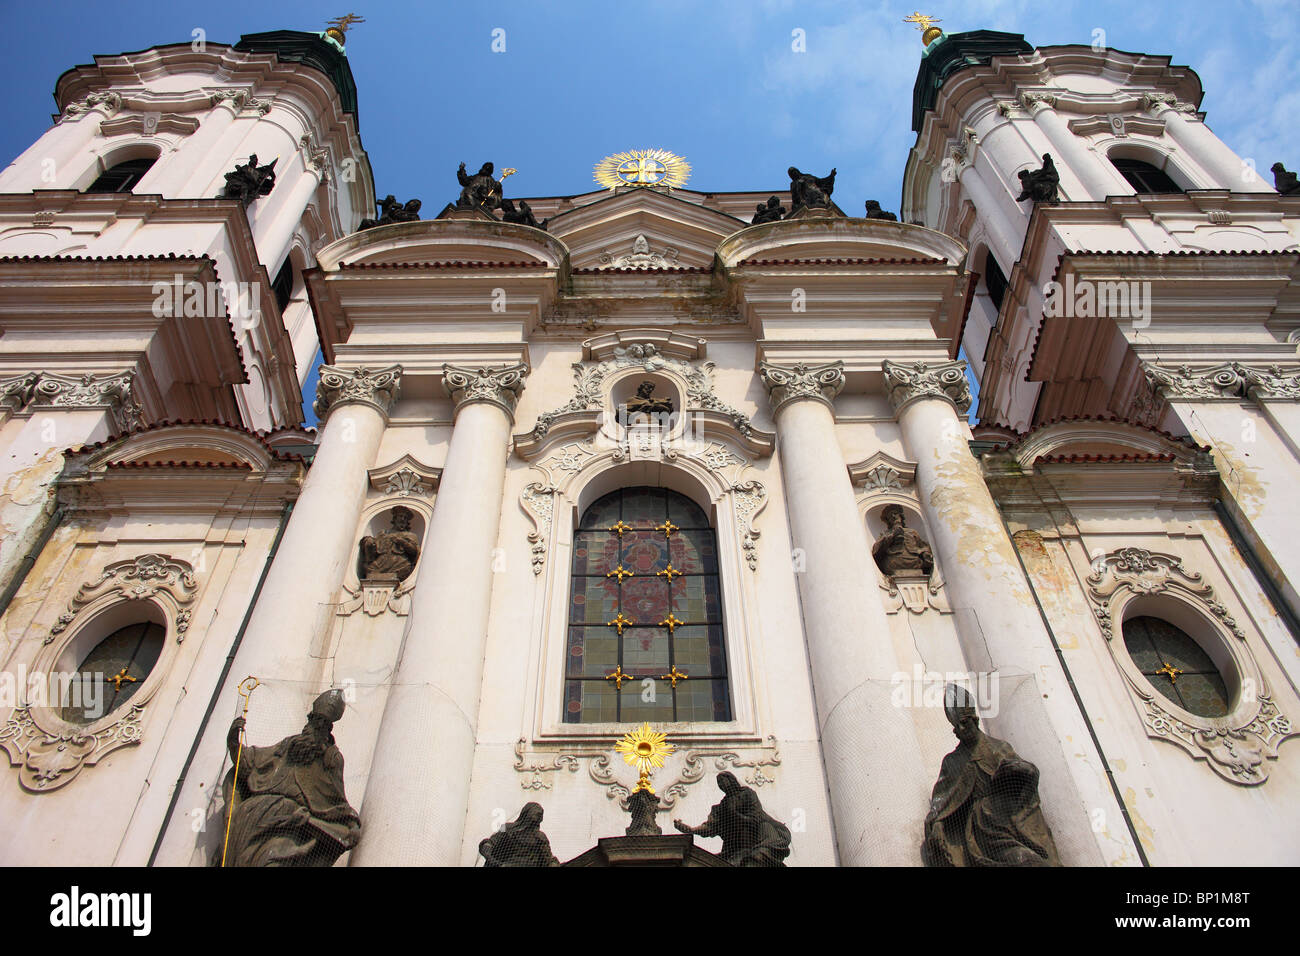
(643, 228)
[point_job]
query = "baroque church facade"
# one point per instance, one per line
(645, 456)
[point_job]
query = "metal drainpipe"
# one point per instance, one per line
(29, 560)
(1078, 700)
(221, 682)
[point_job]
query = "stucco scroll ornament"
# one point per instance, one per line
(1275, 382)
(377, 388)
(538, 502)
(1183, 382)
(906, 382)
(588, 379)
(695, 765)
(47, 761)
(17, 391)
(92, 391)
(786, 384)
(113, 102)
(535, 774)
(315, 156)
(498, 385)
(750, 498)
(137, 579)
(1236, 747)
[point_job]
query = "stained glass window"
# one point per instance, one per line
(112, 672)
(1176, 666)
(645, 603)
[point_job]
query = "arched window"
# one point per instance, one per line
(645, 602)
(1145, 178)
(113, 671)
(1176, 666)
(122, 177)
(995, 280)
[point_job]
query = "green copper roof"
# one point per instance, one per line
(955, 52)
(309, 49)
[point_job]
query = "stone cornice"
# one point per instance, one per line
(498, 385)
(904, 383)
(1228, 382)
(338, 386)
(787, 384)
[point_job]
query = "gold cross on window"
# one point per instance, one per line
(621, 622)
(121, 677)
(667, 528)
(670, 622)
(669, 572)
(675, 675)
(618, 676)
(620, 572)
(1171, 671)
(619, 528)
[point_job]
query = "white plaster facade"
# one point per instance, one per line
(472, 368)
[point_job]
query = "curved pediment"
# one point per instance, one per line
(1082, 440)
(642, 228)
(826, 238)
(445, 241)
(194, 445)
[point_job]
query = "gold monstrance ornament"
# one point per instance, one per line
(644, 749)
(926, 24)
(642, 167)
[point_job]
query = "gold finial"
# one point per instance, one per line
(926, 24)
(644, 749)
(339, 26)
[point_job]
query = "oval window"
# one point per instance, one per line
(1176, 666)
(112, 672)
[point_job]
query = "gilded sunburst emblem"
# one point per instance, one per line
(644, 749)
(642, 167)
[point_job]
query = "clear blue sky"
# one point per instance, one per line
(716, 82)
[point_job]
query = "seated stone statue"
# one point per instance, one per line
(523, 215)
(900, 548)
(290, 808)
(390, 555)
(984, 810)
(772, 212)
(875, 212)
(390, 211)
(520, 842)
(808, 191)
(750, 837)
(249, 181)
(1041, 184)
(644, 403)
(1285, 181)
(480, 191)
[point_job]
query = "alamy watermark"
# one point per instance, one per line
(1086, 298)
(922, 688)
(186, 298)
(81, 690)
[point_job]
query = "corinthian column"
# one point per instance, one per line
(998, 623)
(1186, 129)
(418, 792)
(319, 539)
(878, 793)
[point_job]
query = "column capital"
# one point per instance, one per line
(16, 391)
(377, 388)
(1035, 102)
(114, 392)
(907, 381)
(787, 384)
(498, 385)
(1157, 103)
(1227, 382)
